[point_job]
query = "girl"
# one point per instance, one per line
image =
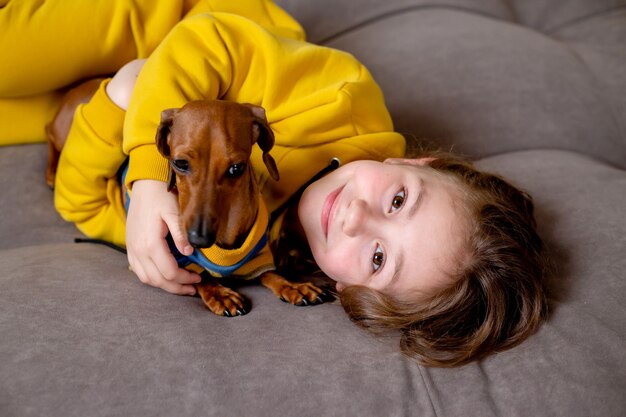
(428, 247)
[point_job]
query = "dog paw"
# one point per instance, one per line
(296, 293)
(223, 301)
(303, 294)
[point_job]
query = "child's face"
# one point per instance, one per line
(394, 226)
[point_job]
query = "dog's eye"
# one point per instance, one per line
(235, 170)
(180, 165)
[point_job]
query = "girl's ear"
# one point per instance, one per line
(410, 161)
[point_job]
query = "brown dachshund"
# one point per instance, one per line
(208, 144)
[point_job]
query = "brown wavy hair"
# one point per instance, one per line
(496, 298)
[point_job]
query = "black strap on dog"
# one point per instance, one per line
(100, 242)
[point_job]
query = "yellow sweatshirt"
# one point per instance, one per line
(321, 104)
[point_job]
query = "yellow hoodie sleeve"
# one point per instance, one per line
(320, 102)
(87, 191)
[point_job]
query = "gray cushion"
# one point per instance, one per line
(532, 88)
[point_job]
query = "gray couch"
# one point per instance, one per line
(533, 89)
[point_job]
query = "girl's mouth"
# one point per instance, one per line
(328, 209)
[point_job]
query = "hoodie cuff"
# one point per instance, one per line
(105, 118)
(146, 163)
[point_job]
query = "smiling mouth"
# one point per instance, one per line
(328, 208)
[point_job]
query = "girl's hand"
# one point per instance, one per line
(153, 212)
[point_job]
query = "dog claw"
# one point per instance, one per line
(238, 312)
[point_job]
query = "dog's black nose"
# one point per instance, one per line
(198, 240)
(200, 235)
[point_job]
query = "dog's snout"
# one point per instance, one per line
(201, 234)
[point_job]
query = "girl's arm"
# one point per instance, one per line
(152, 212)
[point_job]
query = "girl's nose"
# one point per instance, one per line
(356, 220)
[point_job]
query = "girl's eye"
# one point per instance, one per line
(378, 259)
(398, 201)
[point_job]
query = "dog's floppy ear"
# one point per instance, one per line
(163, 132)
(264, 138)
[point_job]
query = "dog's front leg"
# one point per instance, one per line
(219, 299)
(299, 294)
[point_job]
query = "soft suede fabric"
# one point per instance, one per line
(534, 89)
